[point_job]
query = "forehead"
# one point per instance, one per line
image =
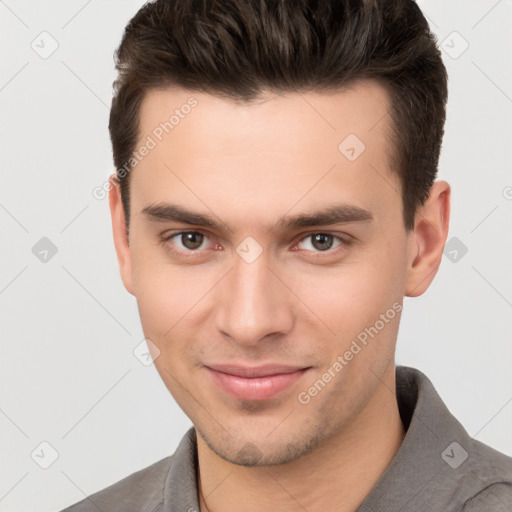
(298, 117)
(277, 150)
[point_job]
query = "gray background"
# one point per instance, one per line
(69, 375)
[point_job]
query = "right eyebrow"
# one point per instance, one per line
(164, 212)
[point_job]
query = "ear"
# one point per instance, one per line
(427, 239)
(121, 240)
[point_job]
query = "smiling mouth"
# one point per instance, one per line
(254, 383)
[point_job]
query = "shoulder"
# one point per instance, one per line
(491, 463)
(142, 490)
(490, 472)
(459, 473)
(163, 485)
(496, 497)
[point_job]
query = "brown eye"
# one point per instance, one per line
(320, 242)
(191, 240)
(188, 244)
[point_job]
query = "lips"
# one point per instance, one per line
(254, 383)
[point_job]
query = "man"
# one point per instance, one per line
(275, 200)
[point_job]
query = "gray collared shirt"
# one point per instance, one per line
(438, 468)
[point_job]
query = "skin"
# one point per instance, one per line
(248, 165)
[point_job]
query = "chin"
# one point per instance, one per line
(253, 453)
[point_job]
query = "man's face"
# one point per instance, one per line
(250, 316)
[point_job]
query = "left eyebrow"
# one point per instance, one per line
(334, 214)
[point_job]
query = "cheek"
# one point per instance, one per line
(351, 298)
(172, 300)
(159, 288)
(168, 300)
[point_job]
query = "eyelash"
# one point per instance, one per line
(342, 237)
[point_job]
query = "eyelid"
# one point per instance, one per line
(344, 238)
(165, 238)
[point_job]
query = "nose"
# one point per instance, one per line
(253, 303)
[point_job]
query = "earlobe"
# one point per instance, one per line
(121, 241)
(428, 239)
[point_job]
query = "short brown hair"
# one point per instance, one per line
(238, 48)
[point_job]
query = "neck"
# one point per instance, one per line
(338, 475)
